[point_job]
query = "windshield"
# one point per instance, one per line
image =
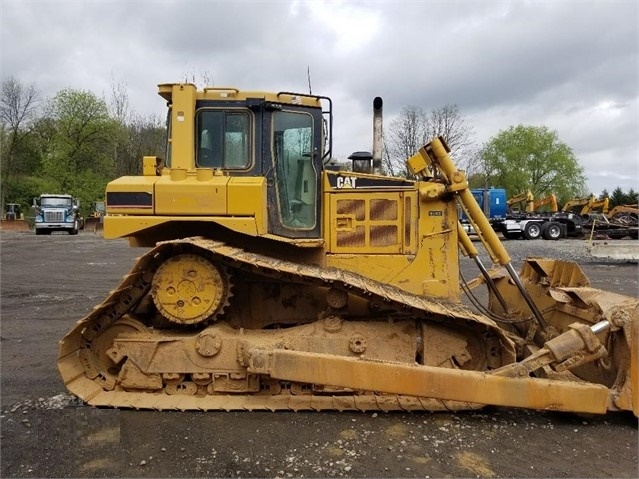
(56, 202)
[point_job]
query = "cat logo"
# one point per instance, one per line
(345, 182)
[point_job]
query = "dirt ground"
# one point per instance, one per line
(49, 282)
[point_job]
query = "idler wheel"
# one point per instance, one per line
(188, 289)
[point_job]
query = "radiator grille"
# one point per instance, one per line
(54, 216)
(355, 238)
(356, 208)
(383, 210)
(384, 235)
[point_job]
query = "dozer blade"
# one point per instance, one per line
(563, 292)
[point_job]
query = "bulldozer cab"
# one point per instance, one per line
(282, 142)
(246, 161)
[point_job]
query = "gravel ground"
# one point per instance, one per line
(50, 282)
(565, 249)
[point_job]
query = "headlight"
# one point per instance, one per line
(38, 219)
(70, 219)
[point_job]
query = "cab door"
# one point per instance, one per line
(294, 208)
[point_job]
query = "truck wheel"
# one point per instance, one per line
(74, 231)
(512, 235)
(38, 232)
(551, 231)
(532, 231)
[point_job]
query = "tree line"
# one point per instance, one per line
(518, 159)
(76, 142)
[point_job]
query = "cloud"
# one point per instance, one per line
(571, 66)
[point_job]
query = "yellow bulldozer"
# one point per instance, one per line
(96, 216)
(13, 218)
(276, 282)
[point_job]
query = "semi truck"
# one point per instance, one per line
(515, 224)
(57, 212)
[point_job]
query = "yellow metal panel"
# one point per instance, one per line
(411, 215)
(426, 271)
(123, 226)
(132, 185)
(437, 262)
(416, 164)
(183, 126)
(150, 165)
(381, 268)
(248, 225)
(191, 196)
(230, 93)
(166, 91)
(247, 197)
(420, 261)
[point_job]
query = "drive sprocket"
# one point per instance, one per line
(188, 289)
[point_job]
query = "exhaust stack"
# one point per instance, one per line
(377, 135)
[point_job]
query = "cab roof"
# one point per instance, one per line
(165, 90)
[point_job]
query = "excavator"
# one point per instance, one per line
(550, 201)
(526, 197)
(275, 281)
(625, 214)
(587, 205)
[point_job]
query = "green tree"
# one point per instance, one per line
(145, 136)
(135, 135)
(617, 197)
(18, 116)
(532, 157)
(80, 151)
(632, 197)
(119, 111)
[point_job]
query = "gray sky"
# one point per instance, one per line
(571, 66)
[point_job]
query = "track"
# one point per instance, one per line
(88, 379)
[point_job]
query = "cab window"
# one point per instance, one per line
(223, 139)
(296, 175)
